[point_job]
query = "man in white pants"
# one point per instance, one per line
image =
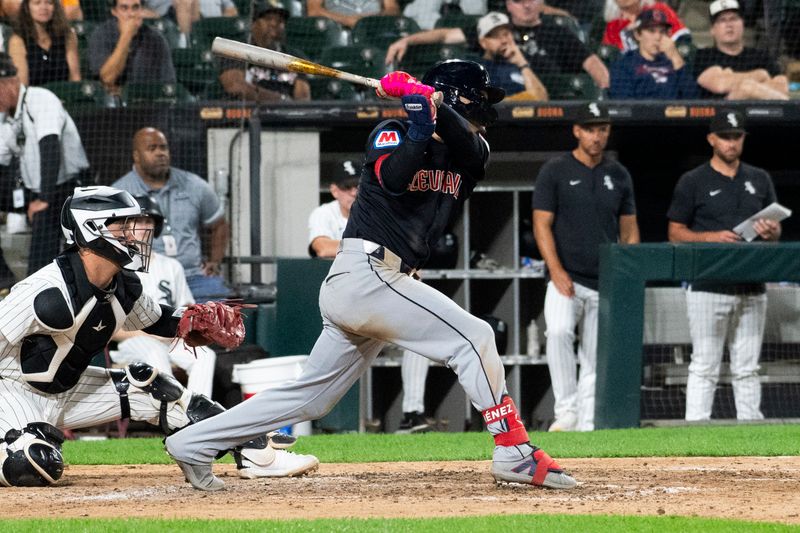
(707, 203)
(165, 282)
(582, 200)
(325, 227)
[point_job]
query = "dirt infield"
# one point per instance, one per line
(763, 489)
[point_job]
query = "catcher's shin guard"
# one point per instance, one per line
(31, 457)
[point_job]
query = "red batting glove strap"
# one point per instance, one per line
(507, 410)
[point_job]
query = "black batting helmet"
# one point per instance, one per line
(151, 207)
(457, 78)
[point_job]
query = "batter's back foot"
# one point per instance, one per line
(529, 465)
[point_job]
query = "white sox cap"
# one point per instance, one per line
(490, 22)
(718, 6)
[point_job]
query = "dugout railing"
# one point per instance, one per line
(625, 271)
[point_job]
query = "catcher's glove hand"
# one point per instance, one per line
(212, 323)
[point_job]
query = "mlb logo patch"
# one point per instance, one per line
(387, 138)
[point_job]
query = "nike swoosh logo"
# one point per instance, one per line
(99, 327)
(574, 182)
(714, 193)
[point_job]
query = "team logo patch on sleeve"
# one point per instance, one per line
(387, 139)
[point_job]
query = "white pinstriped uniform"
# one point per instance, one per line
(94, 399)
(327, 221)
(166, 283)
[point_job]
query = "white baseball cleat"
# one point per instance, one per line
(535, 467)
(285, 464)
(566, 423)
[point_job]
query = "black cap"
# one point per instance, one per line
(262, 7)
(727, 121)
(7, 68)
(592, 113)
(346, 174)
(650, 18)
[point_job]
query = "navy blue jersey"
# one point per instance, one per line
(409, 192)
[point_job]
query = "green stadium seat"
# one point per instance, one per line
(418, 59)
(381, 31)
(205, 30)
(459, 20)
(597, 29)
(168, 29)
(331, 89)
(83, 30)
(95, 10)
(312, 35)
(567, 22)
(687, 50)
(159, 93)
(608, 53)
(570, 86)
(196, 70)
(78, 92)
(361, 60)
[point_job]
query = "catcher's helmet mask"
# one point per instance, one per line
(87, 217)
(466, 88)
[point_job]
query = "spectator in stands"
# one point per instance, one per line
(622, 18)
(548, 47)
(325, 228)
(165, 282)
(9, 8)
(655, 70)
(39, 135)
(72, 9)
(348, 12)
(708, 202)
(261, 84)
(427, 12)
(732, 70)
(123, 50)
(507, 66)
(191, 208)
(44, 47)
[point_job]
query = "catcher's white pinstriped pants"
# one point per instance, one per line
(93, 400)
(414, 373)
(574, 393)
(365, 303)
(713, 318)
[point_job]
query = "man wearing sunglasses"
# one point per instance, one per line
(707, 203)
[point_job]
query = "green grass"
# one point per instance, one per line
(766, 440)
(488, 524)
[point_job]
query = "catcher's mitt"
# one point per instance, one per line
(212, 323)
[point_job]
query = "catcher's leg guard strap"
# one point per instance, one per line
(257, 451)
(507, 412)
(120, 379)
(31, 457)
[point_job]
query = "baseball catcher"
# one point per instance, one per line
(54, 322)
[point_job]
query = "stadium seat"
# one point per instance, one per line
(159, 93)
(418, 59)
(196, 70)
(331, 89)
(361, 60)
(687, 50)
(458, 20)
(381, 31)
(608, 53)
(570, 86)
(168, 29)
(95, 10)
(205, 30)
(314, 34)
(78, 92)
(567, 22)
(83, 29)
(597, 29)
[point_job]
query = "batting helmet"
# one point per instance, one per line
(465, 86)
(150, 207)
(87, 214)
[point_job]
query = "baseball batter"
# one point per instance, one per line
(165, 282)
(417, 175)
(707, 203)
(56, 320)
(582, 199)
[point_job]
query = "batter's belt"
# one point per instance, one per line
(379, 252)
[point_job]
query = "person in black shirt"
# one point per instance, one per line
(730, 69)
(549, 48)
(262, 84)
(707, 203)
(582, 200)
(417, 175)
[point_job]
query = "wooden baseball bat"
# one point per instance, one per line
(280, 61)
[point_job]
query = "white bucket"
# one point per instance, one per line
(263, 374)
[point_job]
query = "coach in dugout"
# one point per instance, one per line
(262, 84)
(582, 200)
(707, 203)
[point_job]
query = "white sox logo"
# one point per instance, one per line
(594, 110)
(436, 180)
(731, 118)
(608, 183)
(349, 168)
(748, 186)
